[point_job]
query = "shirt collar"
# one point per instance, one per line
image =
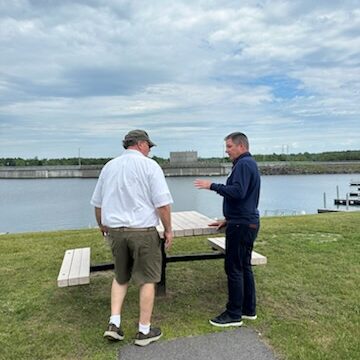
(245, 154)
(132, 151)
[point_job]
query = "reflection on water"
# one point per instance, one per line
(53, 204)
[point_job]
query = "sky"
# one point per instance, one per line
(76, 76)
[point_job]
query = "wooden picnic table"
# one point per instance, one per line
(184, 223)
(189, 223)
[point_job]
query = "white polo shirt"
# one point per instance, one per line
(129, 189)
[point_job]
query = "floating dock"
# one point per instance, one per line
(322, 211)
(345, 202)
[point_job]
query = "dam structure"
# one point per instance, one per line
(93, 171)
(182, 163)
(186, 163)
(48, 172)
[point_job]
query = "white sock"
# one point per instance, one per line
(145, 329)
(115, 319)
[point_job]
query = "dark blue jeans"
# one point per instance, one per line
(241, 285)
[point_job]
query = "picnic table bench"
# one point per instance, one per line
(76, 268)
(219, 244)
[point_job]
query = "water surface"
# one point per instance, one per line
(55, 204)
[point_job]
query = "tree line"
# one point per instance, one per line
(349, 155)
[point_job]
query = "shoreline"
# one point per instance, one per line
(182, 170)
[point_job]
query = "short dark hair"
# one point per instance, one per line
(238, 138)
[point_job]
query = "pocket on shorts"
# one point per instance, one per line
(151, 245)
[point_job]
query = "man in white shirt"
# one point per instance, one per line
(129, 198)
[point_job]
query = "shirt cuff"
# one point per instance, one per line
(95, 203)
(215, 187)
(162, 200)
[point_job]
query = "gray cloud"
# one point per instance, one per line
(82, 73)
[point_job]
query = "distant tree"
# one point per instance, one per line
(160, 160)
(349, 155)
(10, 162)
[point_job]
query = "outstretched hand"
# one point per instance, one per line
(202, 184)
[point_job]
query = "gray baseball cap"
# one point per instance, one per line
(138, 135)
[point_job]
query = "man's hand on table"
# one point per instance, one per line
(219, 224)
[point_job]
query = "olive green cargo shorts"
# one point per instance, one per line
(137, 254)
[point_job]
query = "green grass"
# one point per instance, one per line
(308, 293)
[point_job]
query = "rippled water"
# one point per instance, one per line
(54, 204)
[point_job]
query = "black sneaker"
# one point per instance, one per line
(114, 333)
(225, 320)
(249, 317)
(143, 340)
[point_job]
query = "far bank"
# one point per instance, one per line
(198, 168)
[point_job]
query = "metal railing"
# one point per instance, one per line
(283, 212)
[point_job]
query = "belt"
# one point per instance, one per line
(128, 229)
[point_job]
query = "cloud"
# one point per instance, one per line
(82, 73)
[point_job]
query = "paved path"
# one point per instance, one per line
(239, 344)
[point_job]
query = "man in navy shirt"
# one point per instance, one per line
(241, 198)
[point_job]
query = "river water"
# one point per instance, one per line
(56, 204)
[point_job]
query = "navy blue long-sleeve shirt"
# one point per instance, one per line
(241, 192)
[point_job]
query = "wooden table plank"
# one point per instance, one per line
(189, 223)
(203, 222)
(84, 273)
(63, 278)
(75, 268)
(179, 219)
(177, 229)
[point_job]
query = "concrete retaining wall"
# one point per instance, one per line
(189, 169)
(93, 171)
(45, 172)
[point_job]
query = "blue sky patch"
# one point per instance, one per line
(282, 86)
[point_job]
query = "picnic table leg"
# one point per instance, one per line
(161, 286)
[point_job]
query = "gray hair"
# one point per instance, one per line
(131, 142)
(238, 138)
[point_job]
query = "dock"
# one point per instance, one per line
(350, 202)
(352, 197)
(322, 211)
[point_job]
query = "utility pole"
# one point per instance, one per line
(79, 158)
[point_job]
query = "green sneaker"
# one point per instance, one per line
(143, 340)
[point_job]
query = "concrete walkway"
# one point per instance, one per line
(239, 344)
